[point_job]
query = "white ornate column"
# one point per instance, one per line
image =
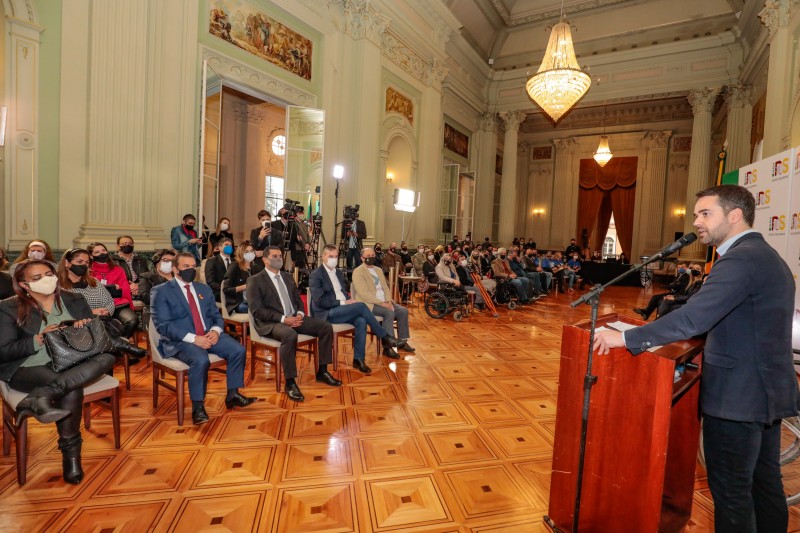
(561, 229)
(702, 102)
(508, 188)
(740, 122)
(381, 199)
(486, 147)
(522, 222)
(776, 16)
(21, 145)
(652, 193)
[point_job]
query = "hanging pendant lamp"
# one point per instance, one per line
(603, 154)
(559, 82)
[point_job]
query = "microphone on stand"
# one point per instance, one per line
(674, 247)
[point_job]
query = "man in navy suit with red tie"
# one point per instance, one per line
(186, 316)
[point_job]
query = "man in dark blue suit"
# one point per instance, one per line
(185, 314)
(748, 382)
(331, 301)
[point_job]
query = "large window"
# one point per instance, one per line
(273, 194)
(609, 248)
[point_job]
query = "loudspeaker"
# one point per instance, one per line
(678, 235)
(447, 225)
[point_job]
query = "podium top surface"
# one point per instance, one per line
(685, 349)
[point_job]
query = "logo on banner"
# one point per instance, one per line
(750, 177)
(762, 198)
(795, 221)
(777, 223)
(780, 168)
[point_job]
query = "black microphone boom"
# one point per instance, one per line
(675, 246)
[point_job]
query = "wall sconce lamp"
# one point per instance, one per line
(680, 212)
(389, 177)
(538, 212)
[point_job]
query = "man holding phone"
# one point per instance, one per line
(260, 236)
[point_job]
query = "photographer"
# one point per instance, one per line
(354, 231)
(260, 236)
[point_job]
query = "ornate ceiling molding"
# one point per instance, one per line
(777, 14)
(431, 73)
(578, 8)
(363, 20)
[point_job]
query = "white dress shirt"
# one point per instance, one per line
(189, 337)
(379, 294)
(337, 287)
(275, 282)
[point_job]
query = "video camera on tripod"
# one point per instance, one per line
(350, 212)
(290, 209)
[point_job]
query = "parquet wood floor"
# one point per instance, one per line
(455, 438)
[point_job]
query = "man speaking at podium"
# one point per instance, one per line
(748, 381)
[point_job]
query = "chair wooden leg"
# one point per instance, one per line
(87, 416)
(115, 417)
(252, 361)
(155, 387)
(335, 350)
(278, 371)
(7, 433)
(21, 441)
(127, 365)
(180, 386)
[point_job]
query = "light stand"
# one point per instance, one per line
(338, 174)
(406, 201)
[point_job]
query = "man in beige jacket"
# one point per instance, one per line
(369, 286)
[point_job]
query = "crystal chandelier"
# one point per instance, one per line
(560, 82)
(603, 154)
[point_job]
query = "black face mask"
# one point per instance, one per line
(377, 248)
(79, 270)
(102, 258)
(190, 226)
(128, 249)
(447, 263)
(393, 249)
(187, 275)
(502, 256)
(216, 252)
(404, 248)
(696, 272)
(369, 261)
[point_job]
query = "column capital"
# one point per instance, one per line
(436, 73)
(777, 14)
(657, 140)
(488, 122)
(702, 100)
(737, 96)
(564, 145)
(362, 20)
(512, 119)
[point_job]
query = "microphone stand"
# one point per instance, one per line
(592, 298)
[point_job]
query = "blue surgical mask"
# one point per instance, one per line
(681, 270)
(227, 249)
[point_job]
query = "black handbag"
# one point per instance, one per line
(68, 345)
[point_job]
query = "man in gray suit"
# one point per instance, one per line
(748, 382)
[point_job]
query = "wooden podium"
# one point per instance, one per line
(641, 442)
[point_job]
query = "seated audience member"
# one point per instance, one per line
(113, 278)
(260, 236)
(597, 257)
(623, 259)
(418, 260)
(462, 264)
(331, 301)
(222, 231)
(379, 254)
(36, 250)
(39, 307)
(133, 264)
(3, 260)
(217, 265)
(534, 272)
(405, 255)
(446, 272)
(392, 259)
(574, 264)
(678, 285)
(429, 266)
(572, 248)
(278, 313)
(190, 332)
(486, 259)
(672, 302)
(502, 271)
(438, 252)
(242, 268)
(185, 237)
(515, 263)
(561, 266)
(161, 273)
(371, 288)
(476, 266)
(530, 245)
(73, 275)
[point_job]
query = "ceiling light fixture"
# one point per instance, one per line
(559, 82)
(603, 154)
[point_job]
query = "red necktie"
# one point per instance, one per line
(198, 322)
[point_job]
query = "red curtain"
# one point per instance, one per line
(607, 190)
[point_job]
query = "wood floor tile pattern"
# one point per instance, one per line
(455, 438)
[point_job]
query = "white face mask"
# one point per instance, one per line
(249, 256)
(430, 257)
(35, 255)
(165, 267)
(223, 227)
(46, 285)
(331, 262)
(463, 262)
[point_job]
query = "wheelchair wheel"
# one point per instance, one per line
(457, 316)
(512, 304)
(436, 305)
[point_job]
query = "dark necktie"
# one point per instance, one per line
(198, 322)
(288, 309)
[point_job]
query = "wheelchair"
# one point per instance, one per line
(504, 294)
(447, 299)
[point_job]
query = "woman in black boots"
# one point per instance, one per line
(38, 307)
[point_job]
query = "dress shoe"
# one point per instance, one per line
(328, 379)
(406, 348)
(293, 392)
(199, 415)
(71, 459)
(391, 354)
(361, 366)
(394, 342)
(238, 400)
(640, 312)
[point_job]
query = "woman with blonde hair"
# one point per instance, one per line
(35, 250)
